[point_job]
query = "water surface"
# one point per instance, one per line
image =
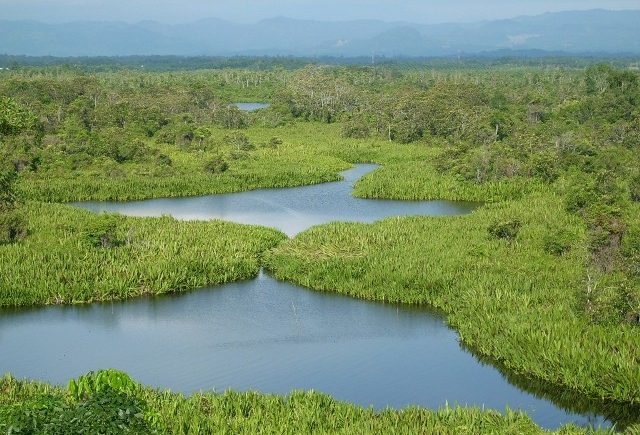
(269, 336)
(290, 210)
(251, 107)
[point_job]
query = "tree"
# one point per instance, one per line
(12, 223)
(13, 119)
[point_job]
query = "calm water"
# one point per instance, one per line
(275, 337)
(289, 210)
(251, 107)
(269, 336)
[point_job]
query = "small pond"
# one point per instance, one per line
(251, 107)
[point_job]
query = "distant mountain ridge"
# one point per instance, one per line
(570, 32)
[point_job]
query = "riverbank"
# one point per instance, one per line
(512, 297)
(112, 402)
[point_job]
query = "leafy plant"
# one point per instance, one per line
(506, 229)
(102, 232)
(94, 383)
(216, 165)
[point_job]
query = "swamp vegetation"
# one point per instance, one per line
(544, 279)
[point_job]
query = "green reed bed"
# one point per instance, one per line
(419, 180)
(309, 153)
(74, 256)
(514, 299)
(187, 176)
(110, 402)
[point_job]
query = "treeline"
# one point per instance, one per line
(531, 58)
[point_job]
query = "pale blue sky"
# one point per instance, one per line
(171, 11)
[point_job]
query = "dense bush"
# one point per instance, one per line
(557, 241)
(356, 129)
(103, 232)
(216, 165)
(506, 229)
(239, 141)
(13, 226)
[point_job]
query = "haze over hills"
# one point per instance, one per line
(595, 31)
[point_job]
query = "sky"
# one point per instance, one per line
(174, 11)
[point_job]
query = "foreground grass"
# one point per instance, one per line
(58, 263)
(122, 406)
(511, 300)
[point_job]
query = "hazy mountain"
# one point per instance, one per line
(571, 32)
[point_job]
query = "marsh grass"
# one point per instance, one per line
(65, 261)
(512, 300)
(30, 407)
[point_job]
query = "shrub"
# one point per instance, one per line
(165, 160)
(87, 386)
(544, 165)
(13, 227)
(356, 130)
(274, 142)
(557, 241)
(104, 402)
(631, 248)
(507, 230)
(102, 232)
(240, 141)
(217, 165)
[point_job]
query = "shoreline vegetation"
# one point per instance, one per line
(110, 401)
(544, 279)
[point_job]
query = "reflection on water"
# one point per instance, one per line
(290, 210)
(593, 409)
(273, 337)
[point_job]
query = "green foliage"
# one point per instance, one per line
(558, 241)
(14, 119)
(13, 226)
(561, 304)
(634, 187)
(56, 264)
(95, 383)
(240, 142)
(217, 165)
(30, 408)
(164, 159)
(273, 143)
(515, 302)
(7, 190)
(103, 231)
(631, 248)
(108, 409)
(356, 129)
(505, 229)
